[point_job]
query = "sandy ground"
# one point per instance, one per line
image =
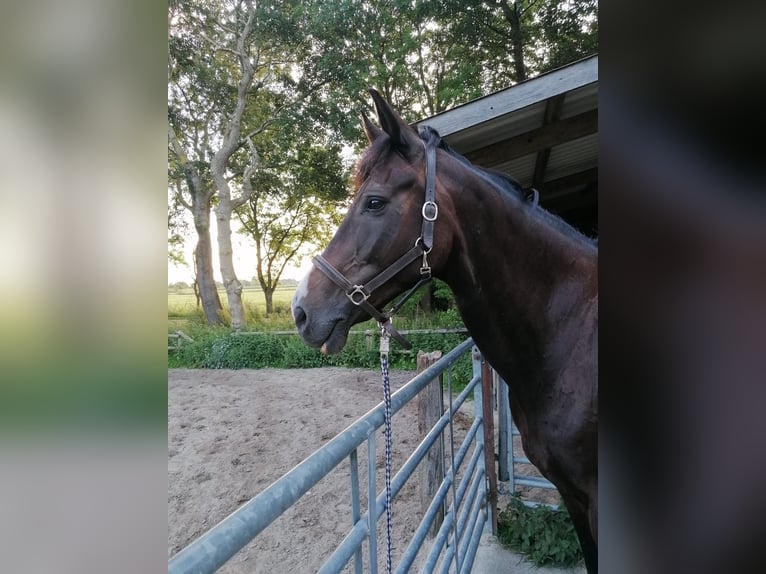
(233, 433)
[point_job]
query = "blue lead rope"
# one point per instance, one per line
(384, 340)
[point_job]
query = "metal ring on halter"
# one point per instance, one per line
(425, 251)
(435, 211)
(358, 289)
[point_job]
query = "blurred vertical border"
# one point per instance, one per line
(683, 286)
(83, 396)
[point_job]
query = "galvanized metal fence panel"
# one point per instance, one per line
(466, 516)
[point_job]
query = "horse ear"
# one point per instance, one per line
(372, 131)
(390, 121)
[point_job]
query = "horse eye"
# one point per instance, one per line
(374, 204)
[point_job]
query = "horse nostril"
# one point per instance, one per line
(300, 317)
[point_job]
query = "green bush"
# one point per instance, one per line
(544, 535)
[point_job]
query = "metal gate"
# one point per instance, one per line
(462, 496)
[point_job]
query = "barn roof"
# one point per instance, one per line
(543, 132)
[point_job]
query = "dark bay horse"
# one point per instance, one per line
(524, 281)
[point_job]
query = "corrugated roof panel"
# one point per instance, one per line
(497, 129)
(580, 100)
(516, 98)
(572, 157)
(521, 169)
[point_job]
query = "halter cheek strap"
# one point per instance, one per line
(359, 294)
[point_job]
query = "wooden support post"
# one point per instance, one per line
(489, 439)
(430, 409)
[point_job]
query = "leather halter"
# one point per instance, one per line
(359, 294)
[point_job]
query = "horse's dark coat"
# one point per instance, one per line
(524, 281)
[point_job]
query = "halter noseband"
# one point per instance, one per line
(359, 294)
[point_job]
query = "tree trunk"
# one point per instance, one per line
(218, 167)
(426, 301)
(225, 256)
(511, 14)
(203, 261)
(268, 294)
(203, 253)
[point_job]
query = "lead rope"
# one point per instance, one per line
(384, 345)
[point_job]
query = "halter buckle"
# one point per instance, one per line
(425, 268)
(384, 337)
(433, 208)
(358, 290)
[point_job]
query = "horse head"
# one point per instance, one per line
(382, 234)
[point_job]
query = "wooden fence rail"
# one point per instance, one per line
(176, 339)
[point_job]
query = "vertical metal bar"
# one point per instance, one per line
(489, 441)
(505, 442)
(470, 526)
(472, 502)
(454, 472)
(355, 505)
(509, 431)
(474, 545)
(443, 469)
(479, 413)
(372, 515)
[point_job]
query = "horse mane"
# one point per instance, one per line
(497, 178)
(378, 151)
(502, 181)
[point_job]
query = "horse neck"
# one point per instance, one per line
(516, 275)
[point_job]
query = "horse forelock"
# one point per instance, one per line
(431, 137)
(374, 155)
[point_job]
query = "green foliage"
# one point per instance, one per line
(219, 348)
(545, 536)
(443, 299)
(295, 201)
(426, 57)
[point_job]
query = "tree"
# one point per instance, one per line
(426, 57)
(188, 182)
(293, 205)
(177, 227)
(188, 148)
(229, 80)
(570, 31)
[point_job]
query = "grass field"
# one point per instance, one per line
(182, 307)
(185, 297)
(183, 312)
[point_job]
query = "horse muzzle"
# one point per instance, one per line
(321, 324)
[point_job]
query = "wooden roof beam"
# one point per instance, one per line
(552, 113)
(535, 140)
